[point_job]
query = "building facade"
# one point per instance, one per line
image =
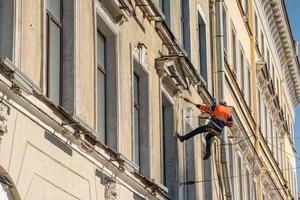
(93, 94)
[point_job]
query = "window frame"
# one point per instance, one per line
(136, 106)
(234, 51)
(102, 70)
(242, 72)
(225, 29)
(185, 26)
(168, 103)
(139, 67)
(59, 22)
(110, 31)
(203, 70)
(240, 169)
(249, 78)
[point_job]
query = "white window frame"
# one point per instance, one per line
(140, 67)
(202, 15)
(109, 29)
(234, 60)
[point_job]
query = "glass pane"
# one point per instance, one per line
(161, 5)
(202, 48)
(225, 28)
(101, 105)
(136, 147)
(100, 49)
(240, 177)
(54, 62)
(136, 89)
(242, 71)
(234, 51)
(249, 88)
(54, 6)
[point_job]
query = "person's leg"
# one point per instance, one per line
(208, 138)
(194, 132)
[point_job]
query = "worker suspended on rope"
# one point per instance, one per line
(220, 117)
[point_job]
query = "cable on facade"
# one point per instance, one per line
(191, 182)
(284, 151)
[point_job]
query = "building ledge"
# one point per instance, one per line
(120, 9)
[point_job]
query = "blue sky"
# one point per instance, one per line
(293, 7)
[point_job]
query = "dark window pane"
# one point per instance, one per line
(101, 105)
(202, 48)
(249, 88)
(242, 71)
(234, 56)
(136, 155)
(240, 177)
(54, 7)
(225, 28)
(100, 49)
(54, 62)
(136, 139)
(136, 90)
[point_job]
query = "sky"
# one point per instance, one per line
(293, 7)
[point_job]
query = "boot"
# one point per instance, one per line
(206, 156)
(180, 137)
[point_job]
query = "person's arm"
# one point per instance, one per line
(229, 122)
(204, 108)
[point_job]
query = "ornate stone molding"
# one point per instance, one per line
(4, 113)
(110, 191)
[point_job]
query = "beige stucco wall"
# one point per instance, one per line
(32, 41)
(87, 65)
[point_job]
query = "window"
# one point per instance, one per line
(225, 30)
(264, 196)
(106, 83)
(231, 160)
(169, 152)
(136, 137)
(276, 146)
(249, 87)
(277, 86)
(185, 26)
(273, 72)
(234, 52)
(254, 190)
(246, 8)
(258, 107)
(54, 41)
(202, 47)
(265, 121)
(256, 26)
(242, 63)
(270, 133)
(280, 154)
(240, 177)
(262, 45)
(268, 59)
(273, 138)
(101, 86)
(247, 184)
(165, 8)
(140, 119)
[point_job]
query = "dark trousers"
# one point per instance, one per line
(204, 129)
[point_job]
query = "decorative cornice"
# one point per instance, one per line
(278, 22)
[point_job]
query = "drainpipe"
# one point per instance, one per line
(221, 93)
